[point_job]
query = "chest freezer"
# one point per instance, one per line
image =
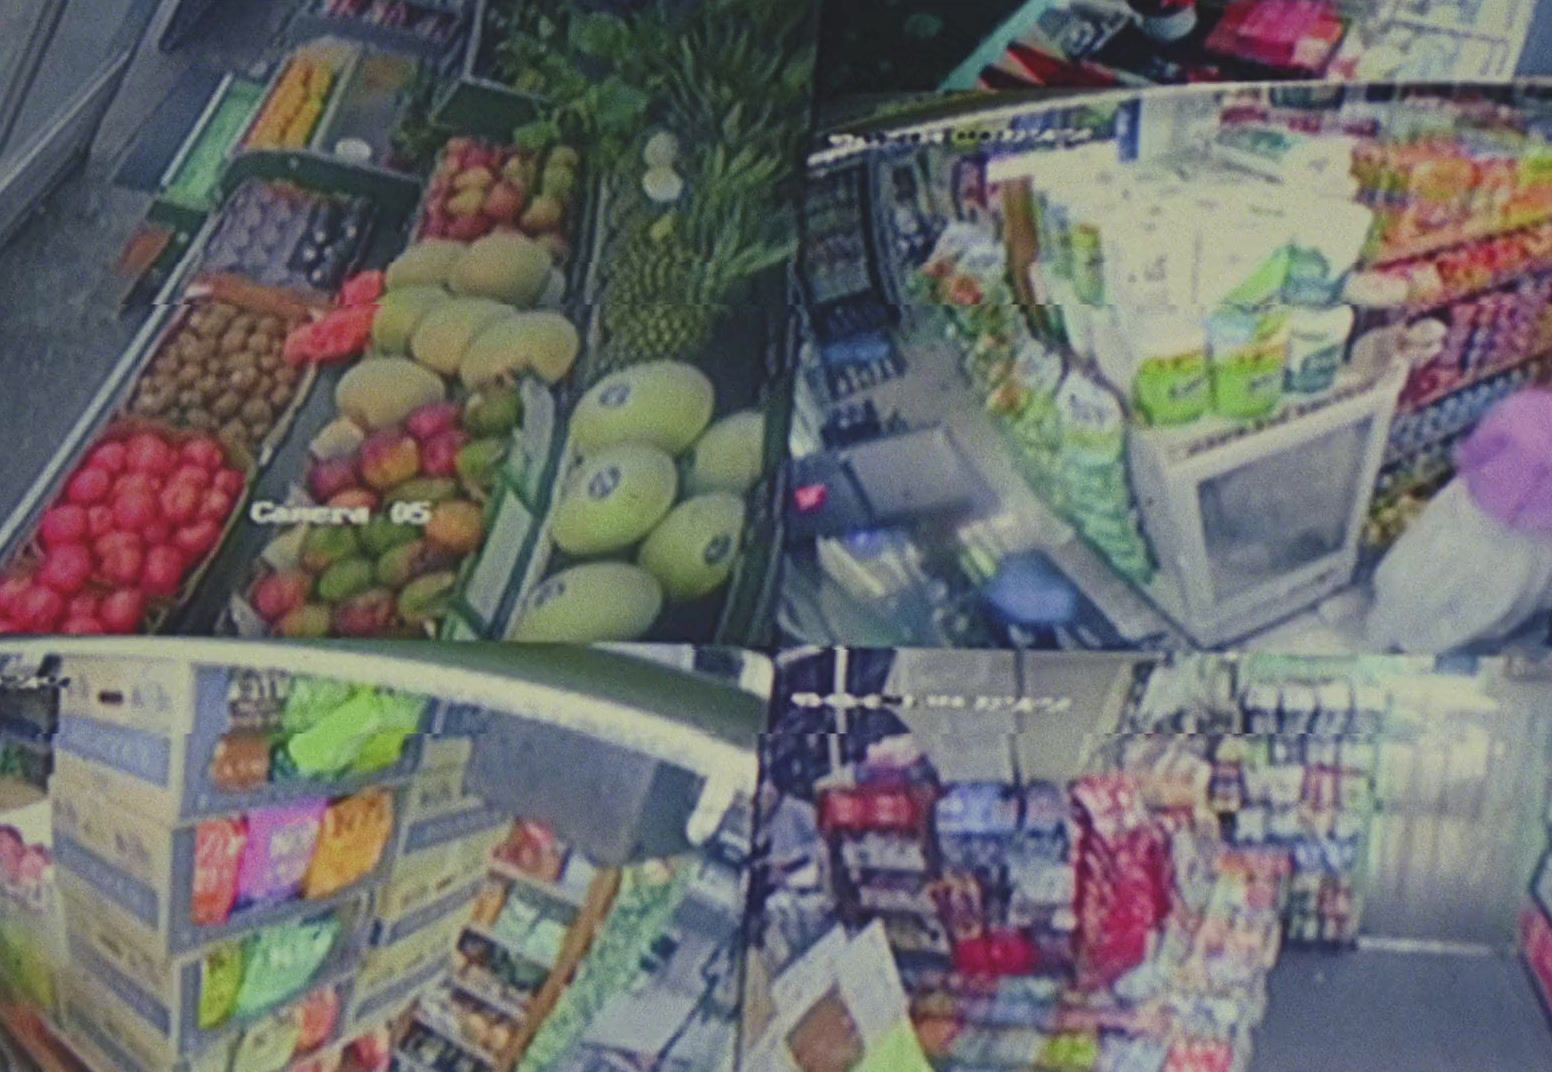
(1252, 526)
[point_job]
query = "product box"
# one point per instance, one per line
(176, 743)
(391, 1000)
(112, 1039)
(439, 790)
(425, 940)
(152, 875)
(420, 879)
(167, 996)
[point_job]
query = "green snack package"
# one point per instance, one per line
(269, 1045)
(282, 961)
(335, 741)
(399, 718)
(221, 977)
(311, 701)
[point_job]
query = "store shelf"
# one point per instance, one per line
(1472, 380)
(483, 993)
(1437, 243)
(538, 886)
(485, 933)
(444, 1032)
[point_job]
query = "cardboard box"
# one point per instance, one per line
(161, 993)
(431, 941)
(147, 871)
(150, 734)
(112, 1039)
(423, 878)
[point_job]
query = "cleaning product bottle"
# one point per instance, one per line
(1317, 340)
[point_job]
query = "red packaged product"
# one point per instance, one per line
(1012, 953)
(973, 957)
(218, 851)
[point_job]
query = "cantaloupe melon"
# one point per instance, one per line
(425, 264)
(400, 313)
(594, 603)
(665, 403)
(544, 342)
(729, 457)
(692, 552)
(510, 268)
(445, 332)
(614, 497)
(385, 390)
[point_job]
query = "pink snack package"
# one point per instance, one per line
(278, 853)
(218, 853)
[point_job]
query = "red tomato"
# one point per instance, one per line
(111, 457)
(40, 610)
(135, 484)
(64, 524)
(66, 569)
(11, 591)
(135, 510)
(117, 541)
(148, 454)
(157, 533)
(231, 481)
(8, 627)
(216, 506)
(84, 605)
(197, 539)
(179, 502)
(99, 520)
(123, 565)
(83, 625)
(89, 486)
(193, 475)
(204, 452)
(163, 571)
(123, 611)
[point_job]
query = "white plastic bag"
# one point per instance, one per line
(1458, 575)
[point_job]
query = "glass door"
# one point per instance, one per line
(57, 79)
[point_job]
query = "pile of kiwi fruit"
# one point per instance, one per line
(222, 370)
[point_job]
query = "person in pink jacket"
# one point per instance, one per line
(1477, 564)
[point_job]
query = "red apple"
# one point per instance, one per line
(356, 499)
(432, 420)
(330, 477)
(278, 594)
(440, 457)
(505, 203)
(389, 458)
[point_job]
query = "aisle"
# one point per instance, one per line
(1439, 1013)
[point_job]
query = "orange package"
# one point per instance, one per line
(350, 845)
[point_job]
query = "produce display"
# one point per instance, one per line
(195, 184)
(480, 189)
(280, 235)
(134, 523)
(222, 369)
(657, 487)
(295, 106)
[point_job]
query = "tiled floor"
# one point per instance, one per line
(1396, 1012)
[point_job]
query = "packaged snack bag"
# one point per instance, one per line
(220, 978)
(278, 852)
(218, 853)
(268, 1045)
(336, 739)
(318, 1015)
(282, 960)
(241, 762)
(351, 841)
(310, 701)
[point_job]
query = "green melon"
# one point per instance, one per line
(428, 263)
(614, 498)
(729, 457)
(692, 552)
(400, 313)
(665, 403)
(595, 603)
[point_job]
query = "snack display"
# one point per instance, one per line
(291, 113)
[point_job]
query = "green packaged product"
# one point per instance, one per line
(336, 741)
(221, 977)
(282, 960)
(269, 1045)
(311, 700)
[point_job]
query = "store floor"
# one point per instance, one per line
(1377, 1011)
(59, 295)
